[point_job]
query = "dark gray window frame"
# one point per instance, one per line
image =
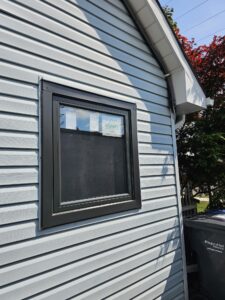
(52, 212)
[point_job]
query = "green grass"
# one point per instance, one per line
(201, 206)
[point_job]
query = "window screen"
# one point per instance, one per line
(90, 141)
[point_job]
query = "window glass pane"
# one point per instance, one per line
(112, 125)
(93, 154)
(68, 117)
(91, 121)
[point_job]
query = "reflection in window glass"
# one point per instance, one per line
(83, 119)
(91, 121)
(112, 125)
(68, 118)
(94, 121)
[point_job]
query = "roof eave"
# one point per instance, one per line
(187, 92)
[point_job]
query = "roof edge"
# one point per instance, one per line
(186, 92)
(181, 48)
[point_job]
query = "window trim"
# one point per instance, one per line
(52, 95)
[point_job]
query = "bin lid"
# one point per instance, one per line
(212, 220)
(220, 213)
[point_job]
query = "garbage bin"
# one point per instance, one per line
(206, 235)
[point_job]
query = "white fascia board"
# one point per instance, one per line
(189, 96)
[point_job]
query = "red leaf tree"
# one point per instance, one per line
(208, 62)
(201, 140)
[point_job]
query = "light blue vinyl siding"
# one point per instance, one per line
(94, 46)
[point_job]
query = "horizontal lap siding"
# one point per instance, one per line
(94, 46)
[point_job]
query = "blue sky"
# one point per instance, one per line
(200, 11)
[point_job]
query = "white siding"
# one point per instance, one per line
(94, 46)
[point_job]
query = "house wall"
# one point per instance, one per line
(94, 46)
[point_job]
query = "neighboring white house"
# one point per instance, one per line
(89, 185)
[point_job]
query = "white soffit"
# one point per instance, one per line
(188, 94)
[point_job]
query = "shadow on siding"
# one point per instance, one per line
(174, 282)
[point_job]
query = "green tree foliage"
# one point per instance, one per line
(169, 13)
(201, 140)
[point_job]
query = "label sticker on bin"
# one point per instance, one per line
(214, 246)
